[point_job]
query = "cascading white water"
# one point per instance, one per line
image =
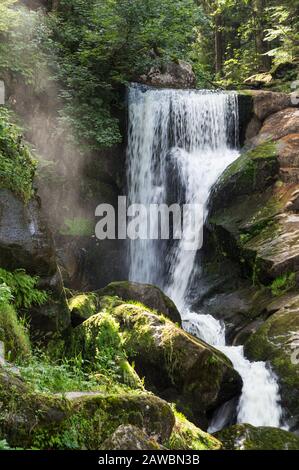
(178, 145)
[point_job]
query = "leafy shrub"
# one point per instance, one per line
(23, 288)
(17, 166)
(61, 376)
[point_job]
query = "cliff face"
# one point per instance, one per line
(252, 249)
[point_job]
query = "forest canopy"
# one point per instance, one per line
(91, 48)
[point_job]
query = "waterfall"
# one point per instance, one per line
(179, 143)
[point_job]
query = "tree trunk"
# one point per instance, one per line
(261, 45)
(218, 44)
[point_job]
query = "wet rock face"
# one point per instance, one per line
(172, 75)
(25, 241)
(149, 295)
(247, 437)
(276, 341)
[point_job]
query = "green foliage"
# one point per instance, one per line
(49, 376)
(17, 166)
(4, 445)
(283, 284)
(13, 334)
(21, 53)
(22, 288)
(102, 45)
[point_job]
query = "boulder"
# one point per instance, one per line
(25, 241)
(30, 419)
(82, 306)
(247, 437)
(172, 75)
(279, 125)
(266, 103)
(277, 342)
(195, 376)
(259, 80)
(186, 436)
(128, 437)
(254, 171)
(147, 294)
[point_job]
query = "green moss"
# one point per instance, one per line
(17, 165)
(247, 437)
(187, 436)
(83, 305)
(13, 334)
(101, 345)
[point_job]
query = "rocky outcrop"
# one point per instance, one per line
(253, 226)
(277, 342)
(247, 437)
(149, 295)
(172, 75)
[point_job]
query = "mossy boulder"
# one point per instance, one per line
(13, 334)
(99, 342)
(34, 420)
(147, 294)
(247, 437)
(128, 437)
(82, 306)
(175, 365)
(276, 342)
(254, 171)
(187, 436)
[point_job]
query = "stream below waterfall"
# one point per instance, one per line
(179, 143)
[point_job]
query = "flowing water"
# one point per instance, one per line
(179, 143)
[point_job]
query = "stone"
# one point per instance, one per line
(277, 342)
(147, 294)
(194, 375)
(128, 437)
(279, 125)
(186, 436)
(172, 75)
(266, 103)
(247, 437)
(258, 80)
(25, 241)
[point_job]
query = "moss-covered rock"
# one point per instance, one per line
(149, 295)
(253, 171)
(276, 341)
(100, 344)
(82, 306)
(13, 334)
(187, 436)
(247, 437)
(34, 420)
(194, 375)
(128, 437)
